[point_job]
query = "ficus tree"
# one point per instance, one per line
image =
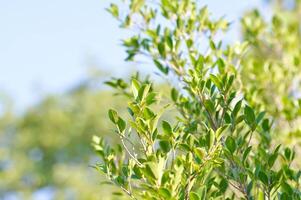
(216, 144)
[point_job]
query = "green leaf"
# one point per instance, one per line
(220, 130)
(246, 153)
(189, 43)
(230, 82)
(287, 188)
(137, 171)
(265, 125)
(199, 65)
(113, 9)
(111, 83)
(151, 98)
(113, 115)
(288, 153)
(230, 144)
(184, 147)
(165, 145)
(203, 192)
(136, 5)
(143, 91)
(135, 88)
(148, 113)
(117, 193)
(121, 124)
(209, 105)
(236, 108)
(194, 196)
(199, 152)
(169, 42)
(217, 82)
(263, 177)
(223, 185)
(210, 139)
(220, 64)
(272, 159)
(161, 49)
(148, 172)
(165, 193)
(212, 45)
(174, 94)
(163, 69)
(260, 117)
(249, 187)
(249, 116)
(166, 128)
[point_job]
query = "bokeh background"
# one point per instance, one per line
(54, 57)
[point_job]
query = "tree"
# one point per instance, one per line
(219, 144)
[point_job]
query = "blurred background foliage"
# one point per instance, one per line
(47, 148)
(271, 70)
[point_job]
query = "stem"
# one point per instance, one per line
(128, 193)
(250, 138)
(240, 187)
(130, 154)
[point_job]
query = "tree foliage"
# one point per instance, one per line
(220, 144)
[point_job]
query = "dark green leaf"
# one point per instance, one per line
(166, 128)
(169, 42)
(260, 117)
(272, 159)
(121, 124)
(230, 144)
(250, 117)
(161, 67)
(265, 125)
(174, 94)
(161, 49)
(246, 153)
(209, 105)
(236, 108)
(165, 145)
(113, 116)
(263, 177)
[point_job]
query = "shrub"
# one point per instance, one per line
(218, 145)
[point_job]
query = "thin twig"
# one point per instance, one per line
(128, 151)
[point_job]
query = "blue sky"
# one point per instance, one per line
(46, 46)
